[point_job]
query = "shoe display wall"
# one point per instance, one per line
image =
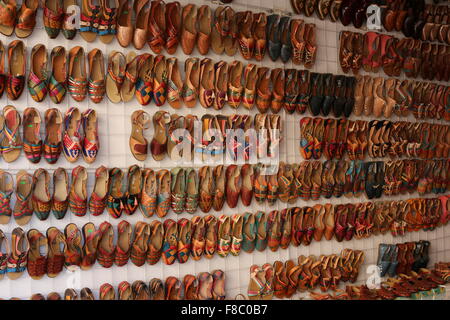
(361, 149)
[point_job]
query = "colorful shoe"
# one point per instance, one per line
(198, 237)
(11, 143)
(184, 240)
(60, 199)
(132, 196)
(72, 137)
(236, 234)
(90, 247)
(178, 190)
(42, 202)
(170, 244)
(160, 81)
(78, 194)
(53, 17)
(114, 202)
(163, 203)
(17, 260)
(124, 242)
(53, 135)
(37, 255)
(96, 80)
(23, 208)
(6, 191)
(210, 236)
(224, 236)
(77, 80)
(72, 251)
(32, 143)
(148, 195)
(57, 81)
(17, 69)
(192, 190)
(90, 143)
(248, 233)
(206, 185)
(219, 185)
(273, 231)
(261, 226)
(55, 257)
(37, 78)
(144, 82)
(97, 201)
(155, 244)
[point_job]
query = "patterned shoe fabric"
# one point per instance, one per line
(72, 138)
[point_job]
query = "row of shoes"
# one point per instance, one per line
(283, 280)
(377, 139)
(171, 129)
(410, 286)
(402, 258)
(76, 135)
(373, 51)
(204, 286)
(385, 97)
(428, 22)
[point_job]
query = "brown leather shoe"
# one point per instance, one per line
(247, 184)
(204, 29)
(189, 28)
(141, 25)
(233, 187)
(173, 26)
(157, 26)
(124, 26)
(245, 36)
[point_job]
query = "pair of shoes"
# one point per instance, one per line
(21, 22)
(98, 20)
(74, 143)
(58, 17)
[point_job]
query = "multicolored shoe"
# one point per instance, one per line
(97, 201)
(170, 244)
(78, 194)
(156, 242)
(72, 137)
(32, 143)
(249, 233)
(114, 201)
(178, 190)
(57, 82)
(90, 144)
(184, 240)
(37, 78)
(237, 222)
(223, 235)
(198, 238)
(42, 202)
(148, 195)
(163, 202)
(6, 190)
(144, 81)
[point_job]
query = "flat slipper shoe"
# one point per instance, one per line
(37, 78)
(191, 84)
(148, 196)
(17, 260)
(140, 121)
(278, 90)
(184, 240)
(8, 12)
(198, 245)
(96, 80)
(125, 28)
(141, 13)
(53, 17)
(297, 32)
(317, 97)
(128, 89)
(156, 288)
(97, 200)
(107, 292)
(16, 69)
(60, 198)
(178, 190)
(236, 234)
(68, 21)
(221, 84)
(72, 137)
(173, 26)
(218, 288)
(163, 200)
(115, 76)
(90, 18)
(145, 79)
(235, 87)
(189, 28)
(77, 80)
(41, 194)
(53, 135)
(205, 286)
(106, 247)
(32, 144)
(160, 81)
(174, 83)
(173, 288)
(207, 85)
(190, 285)
(245, 34)
(57, 86)
(157, 26)
(140, 291)
(273, 37)
(114, 202)
(170, 244)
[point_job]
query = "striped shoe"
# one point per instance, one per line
(71, 138)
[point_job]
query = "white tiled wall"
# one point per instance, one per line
(114, 126)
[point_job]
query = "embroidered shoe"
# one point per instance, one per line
(72, 137)
(236, 234)
(132, 196)
(163, 200)
(53, 136)
(124, 242)
(106, 248)
(6, 190)
(57, 81)
(170, 244)
(78, 194)
(23, 208)
(97, 201)
(32, 143)
(37, 78)
(198, 238)
(41, 199)
(224, 236)
(60, 199)
(155, 244)
(114, 202)
(178, 190)
(17, 260)
(90, 143)
(184, 240)
(148, 195)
